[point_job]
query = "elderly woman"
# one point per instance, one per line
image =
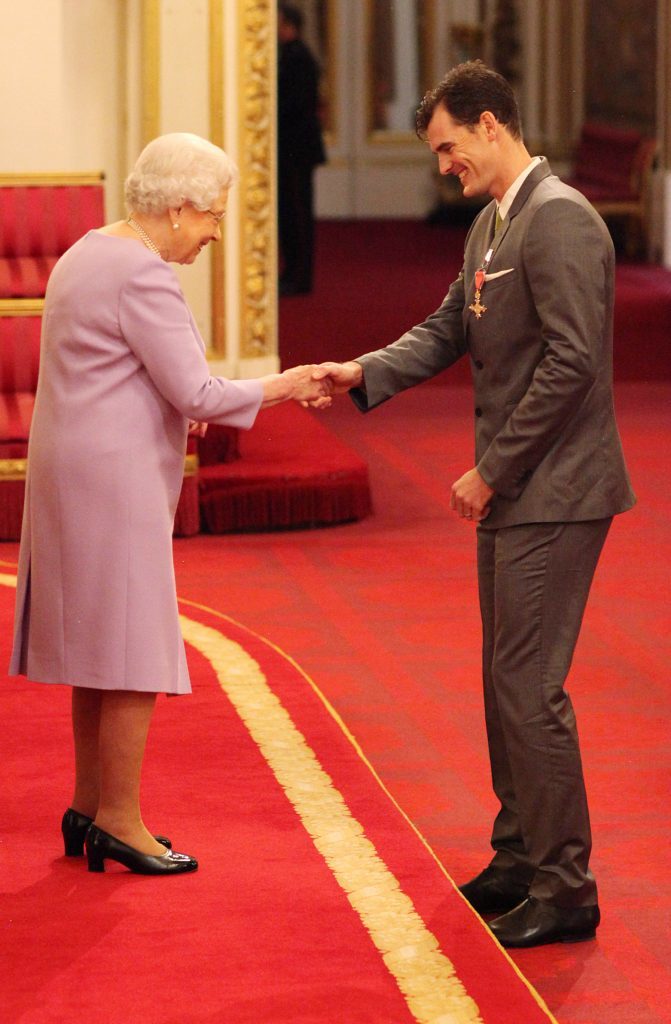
(123, 375)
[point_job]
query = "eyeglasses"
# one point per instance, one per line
(216, 217)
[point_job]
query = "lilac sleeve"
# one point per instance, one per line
(156, 325)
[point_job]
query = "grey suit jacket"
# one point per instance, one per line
(541, 357)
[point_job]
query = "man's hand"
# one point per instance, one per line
(299, 383)
(339, 377)
(470, 496)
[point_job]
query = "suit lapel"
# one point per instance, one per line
(483, 237)
(540, 171)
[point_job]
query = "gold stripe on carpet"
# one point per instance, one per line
(424, 975)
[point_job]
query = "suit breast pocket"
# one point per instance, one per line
(500, 297)
(500, 279)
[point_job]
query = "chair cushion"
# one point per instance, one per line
(37, 224)
(607, 158)
(16, 411)
(25, 277)
(45, 220)
(602, 193)
(19, 353)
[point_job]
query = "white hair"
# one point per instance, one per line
(177, 168)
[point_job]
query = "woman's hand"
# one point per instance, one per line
(297, 383)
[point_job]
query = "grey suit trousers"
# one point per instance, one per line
(534, 581)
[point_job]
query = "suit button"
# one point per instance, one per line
(478, 411)
(479, 364)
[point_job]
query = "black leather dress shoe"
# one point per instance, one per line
(493, 891)
(74, 828)
(101, 846)
(534, 923)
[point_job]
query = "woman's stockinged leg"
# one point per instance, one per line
(124, 725)
(86, 706)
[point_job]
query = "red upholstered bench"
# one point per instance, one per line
(41, 216)
(612, 169)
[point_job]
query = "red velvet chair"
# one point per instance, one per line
(19, 362)
(612, 168)
(42, 215)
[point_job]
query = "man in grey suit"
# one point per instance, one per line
(533, 311)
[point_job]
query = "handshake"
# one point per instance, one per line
(315, 385)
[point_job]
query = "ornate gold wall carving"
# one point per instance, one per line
(258, 230)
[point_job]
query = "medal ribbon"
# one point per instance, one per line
(480, 274)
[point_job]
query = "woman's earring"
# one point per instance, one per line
(175, 226)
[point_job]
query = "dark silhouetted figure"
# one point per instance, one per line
(300, 150)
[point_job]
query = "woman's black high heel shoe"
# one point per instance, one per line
(101, 846)
(74, 828)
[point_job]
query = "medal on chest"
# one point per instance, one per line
(480, 274)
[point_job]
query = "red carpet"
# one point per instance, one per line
(375, 279)
(383, 614)
(315, 900)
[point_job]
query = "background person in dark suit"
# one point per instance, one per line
(533, 311)
(300, 149)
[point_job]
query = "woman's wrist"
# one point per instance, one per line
(276, 387)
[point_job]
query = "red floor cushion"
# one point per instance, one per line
(292, 472)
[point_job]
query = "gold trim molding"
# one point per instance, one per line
(21, 307)
(46, 178)
(150, 69)
(13, 469)
(191, 464)
(258, 231)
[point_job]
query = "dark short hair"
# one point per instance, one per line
(291, 14)
(466, 92)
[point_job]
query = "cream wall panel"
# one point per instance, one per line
(333, 191)
(402, 190)
(92, 92)
(666, 211)
(59, 78)
(184, 107)
(32, 126)
(184, 88)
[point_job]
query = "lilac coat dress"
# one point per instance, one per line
(122, 370)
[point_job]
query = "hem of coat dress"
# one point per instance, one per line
(39, 677)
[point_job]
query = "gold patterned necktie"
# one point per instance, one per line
(498, 222)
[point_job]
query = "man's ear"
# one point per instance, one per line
(490, 124)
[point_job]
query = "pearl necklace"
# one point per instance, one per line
(143, 235)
